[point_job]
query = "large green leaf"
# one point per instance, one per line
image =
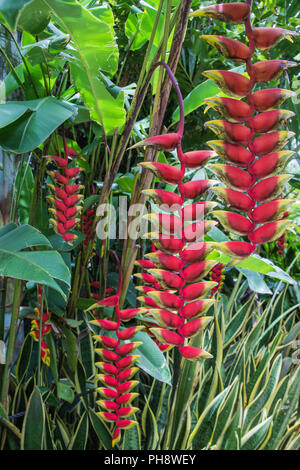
(34, 423)
(152, 360)
(11, 11)
(24, 125)
(43, 267)
(94, 49)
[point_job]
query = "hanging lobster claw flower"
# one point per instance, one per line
(166, 223)
(61, 162)
(166, 336)
(271, 142)
(194, 354)
(147, 302)
(232, 132)
(165, 261)
(272, 210)
(170, 245)
(270, 98)
(197, 158)
(196, 271)
(163, 171)
(232, 176)
(269, 188)
(191, 328)
(269, 232)
(266, 38)
(145, 264)
(229, 12)
(166, 300)
(233, 222)
(271, 69)
(197, 290)
(196, 210)
(196, 308)
(195, 189)
(270, 120)
(236, 249)
(196, 231)
(170, 201)
(128, 333)
(197, 251)
(233, 110)
(229, 48)
(270, 164)
(231, 83)
(146, 278)
(231, 153)
(167, 279)
(107, 325)
(234, 198)
(160, 142)
(166, 319)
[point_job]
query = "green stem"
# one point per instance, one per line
(233, 294)
(40, 341)
(12, 69)
(11, 341)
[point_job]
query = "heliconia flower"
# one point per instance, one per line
(167, 279)
(233, 222)
(163, 171)
(270, 120)
(146, 264)
(270, 98)
(217, 275)
(170, 201)
(170, 245)
(271, 69)
(192, 327)
(160, 142)
(231, 83)
(147, 278)
(197, 271)
(195, 189)
(230, 131)
(65, 199)
(108, 341)
(269, 232)
(197, 290)
(269, 188)
(234, 198)
(147, 301)
(194, 354)
(166, 336)
(166, 300)
(235, 12)
(107, 325)
(271, 142)
(197, 251)
(129, 313)
(231, 153)
(229, 48)
(165, 261)
(281, 244)
(233, 110)
(196, 210)
(232, 176)
(272, 210)
(128, 333)
(266, 38)
(197, 158)
(270, 164)
(196, 308)
(167, 319)
(236, 249)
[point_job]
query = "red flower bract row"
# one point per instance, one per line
(251, 138)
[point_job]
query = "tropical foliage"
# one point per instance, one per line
(184, 335)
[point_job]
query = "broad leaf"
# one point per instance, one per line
(11, 11)
(94, 49)
(24, 125)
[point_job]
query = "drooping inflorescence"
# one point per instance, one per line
(174, 272)
(65, 199)
(117, 362)
(251, 138)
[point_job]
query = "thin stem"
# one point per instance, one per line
(40, 339)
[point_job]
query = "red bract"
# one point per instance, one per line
(259, 114)
(65, 200)
(235, 12)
